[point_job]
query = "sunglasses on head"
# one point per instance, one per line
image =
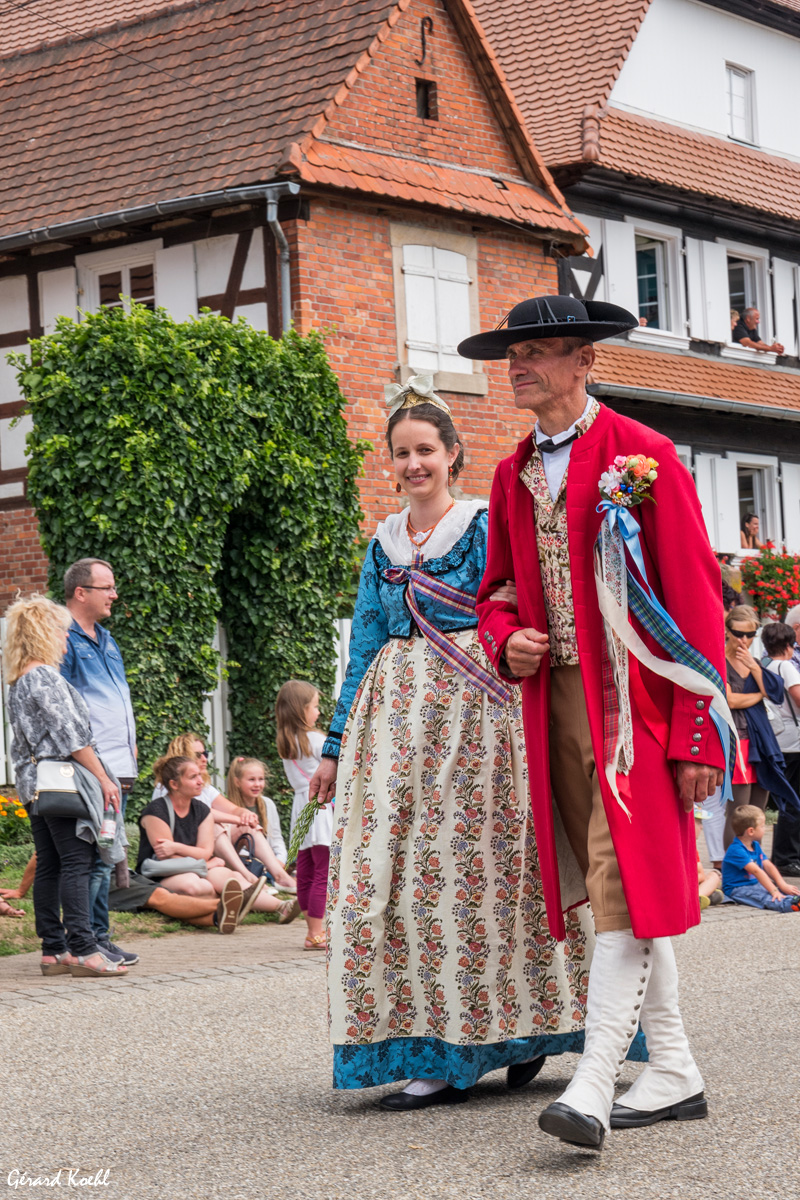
(742, 633)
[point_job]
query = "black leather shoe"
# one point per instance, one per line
(572, 1126)
(790, 868)
(521, 1073)
(406, 1102)
(693, 1109)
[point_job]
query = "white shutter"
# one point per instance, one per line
(619, 262)
(422, 337)
(783, 274)
(704, 482)
(718, 491)
(452, 306)
(790, 487)
(726, 500)
(176, 281)
(707, 286)
(58, 296)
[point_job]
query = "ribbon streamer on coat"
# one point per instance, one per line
(420, 584)
(618, 593)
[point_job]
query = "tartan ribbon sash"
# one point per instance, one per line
(420, 584)
(686, 667)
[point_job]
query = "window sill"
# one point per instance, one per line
(658, 337)
(747, 355)
(476, 384)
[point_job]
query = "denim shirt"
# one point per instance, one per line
(381, 611)
(95, 670)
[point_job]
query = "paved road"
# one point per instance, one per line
(215, 1082)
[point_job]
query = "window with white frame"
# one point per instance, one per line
(436, 305)
(741, 103)
(741, 283)
(117, 278)
(656, 256)
(748, 285)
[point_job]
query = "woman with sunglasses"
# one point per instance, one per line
(759, 764)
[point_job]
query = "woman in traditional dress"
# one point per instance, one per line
(440, 967)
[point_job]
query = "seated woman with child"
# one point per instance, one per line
(190, 834)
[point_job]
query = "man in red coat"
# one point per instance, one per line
(632, 830)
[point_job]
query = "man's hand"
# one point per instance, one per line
(323, 781)
(696, 782)
(524, 652)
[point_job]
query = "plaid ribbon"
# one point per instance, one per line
(420, 584)
(672, 640)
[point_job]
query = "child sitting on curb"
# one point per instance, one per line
(748, 876)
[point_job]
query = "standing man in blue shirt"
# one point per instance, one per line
(93, 665)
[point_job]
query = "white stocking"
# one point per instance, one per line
(425, 1087)
(618, 981)
(671, 1075)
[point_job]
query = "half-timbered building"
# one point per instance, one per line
(670, 126)
(355, 166)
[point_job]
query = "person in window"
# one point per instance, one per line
(440, 964)
(745, 332)
(748, 535)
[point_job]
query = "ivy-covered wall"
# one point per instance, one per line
(211, 466)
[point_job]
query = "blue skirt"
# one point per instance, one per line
(396, 1059)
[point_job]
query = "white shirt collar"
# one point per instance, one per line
(540, 435)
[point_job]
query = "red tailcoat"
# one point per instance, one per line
(656, 847)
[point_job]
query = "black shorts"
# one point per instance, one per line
(133, 898)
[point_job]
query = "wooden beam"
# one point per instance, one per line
(34, 313)
(17, 338)
(271, 284)
(231, 296)
(246, 296)
(11, 409)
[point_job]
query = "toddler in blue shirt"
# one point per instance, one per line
(748, 876)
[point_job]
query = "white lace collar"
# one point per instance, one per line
(396, 544)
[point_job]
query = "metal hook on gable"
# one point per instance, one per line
(426, 24)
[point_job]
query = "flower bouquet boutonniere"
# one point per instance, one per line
(627, 481)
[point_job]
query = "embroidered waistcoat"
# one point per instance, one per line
(552, 541)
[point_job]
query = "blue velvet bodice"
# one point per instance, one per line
(381, 611)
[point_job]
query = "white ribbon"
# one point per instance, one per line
(418, 385)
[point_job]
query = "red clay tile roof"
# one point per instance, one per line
(209, 95)
(558, 57)
(695, 376)
(695, 162)
(32, 24)
(431, 183)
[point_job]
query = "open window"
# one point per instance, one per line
(741, 103)
(748, 287)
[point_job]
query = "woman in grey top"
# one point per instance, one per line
(49, 720)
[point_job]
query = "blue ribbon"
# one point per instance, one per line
(617, 515)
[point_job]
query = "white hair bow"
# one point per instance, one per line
(417, 390)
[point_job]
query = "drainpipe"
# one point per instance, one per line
(286, 277)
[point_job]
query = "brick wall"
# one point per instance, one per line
(381, 110)
(23, 565)
(343, 286)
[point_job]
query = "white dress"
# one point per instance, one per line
(299, 772)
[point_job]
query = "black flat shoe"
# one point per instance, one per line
(406, 1102)
(693, 1109)
(521, 1073)
(572, 1126)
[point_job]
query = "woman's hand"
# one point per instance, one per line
(249, 819)
(506, 594)
(323, 781)
(110, 794)
(215, 862)
(164, 848)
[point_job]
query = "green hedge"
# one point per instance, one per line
(211, 466)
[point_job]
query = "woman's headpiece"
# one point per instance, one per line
(418, 390)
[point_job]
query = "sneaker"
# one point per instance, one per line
(704, 903)
(227, 916)
(717, 896)
(251, 894)
(118, 955)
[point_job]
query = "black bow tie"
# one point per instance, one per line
(548, 446)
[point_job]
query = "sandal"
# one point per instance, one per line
(59, 967)
(288, 911)
(317, 942)
(83, 970)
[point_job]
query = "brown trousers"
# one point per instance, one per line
(576, 791)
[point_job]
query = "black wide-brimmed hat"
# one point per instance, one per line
(546, 317)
